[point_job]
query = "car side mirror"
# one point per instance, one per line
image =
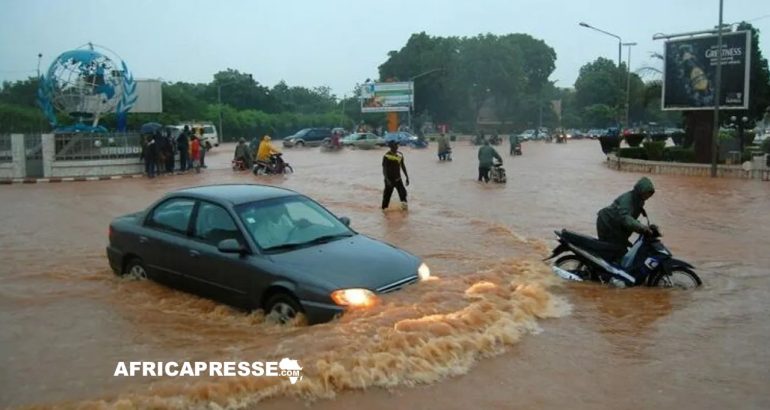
(231, 246)
(345, 220)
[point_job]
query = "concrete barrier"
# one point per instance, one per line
(755, 170)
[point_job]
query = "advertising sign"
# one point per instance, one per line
(387, 97)
(689, 74)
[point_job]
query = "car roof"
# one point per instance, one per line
(235, 194)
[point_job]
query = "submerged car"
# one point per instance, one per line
(401, 137)
(259, 247)
(362, 140)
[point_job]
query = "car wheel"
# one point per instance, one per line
(135, 269)
(300, 144)
(282, 307)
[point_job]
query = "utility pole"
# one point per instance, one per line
(717, 85)
(628, 84)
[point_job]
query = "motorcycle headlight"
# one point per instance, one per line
(354, 297)
(423, 271)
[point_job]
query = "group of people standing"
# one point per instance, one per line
(159, 151)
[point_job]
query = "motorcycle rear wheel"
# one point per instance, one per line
(573, 264)
(679, 278)
(288, 169)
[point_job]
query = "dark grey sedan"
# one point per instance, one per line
(259, 247)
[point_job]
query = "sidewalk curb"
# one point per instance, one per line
(11, 181)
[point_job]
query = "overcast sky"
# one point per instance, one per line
(333, 42)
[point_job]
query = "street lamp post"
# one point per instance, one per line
(628, 84)
(740, 125)
(620, 45)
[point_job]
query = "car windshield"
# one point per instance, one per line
(282, 224)
(208, 130)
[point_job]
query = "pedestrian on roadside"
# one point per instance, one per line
(150, 155)
(182, 144)
(392, 165)
(195, 152)
(167, 146)
(205, 147)
(487, 154)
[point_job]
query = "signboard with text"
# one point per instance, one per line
(689, 74)
(387, 97)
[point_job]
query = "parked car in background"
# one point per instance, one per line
(401, 137)
(206, 130)
(362, 139)
(311, 137)
(259, 247)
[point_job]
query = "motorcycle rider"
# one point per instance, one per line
(513, 139)
(266, 151)
(618, 221)
(242, 154)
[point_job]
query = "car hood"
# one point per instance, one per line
(355, 262)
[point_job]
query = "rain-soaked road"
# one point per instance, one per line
(496, 330)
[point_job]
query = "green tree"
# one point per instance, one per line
(759, 76)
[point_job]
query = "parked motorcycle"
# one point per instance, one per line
(647, 263)
(275, 165)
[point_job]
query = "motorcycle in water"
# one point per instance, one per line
(497, 173)
(330, 144)
(647, 263)
(275, 165)
(517, 149)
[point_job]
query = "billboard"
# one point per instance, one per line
(387, 97)
(689, 73)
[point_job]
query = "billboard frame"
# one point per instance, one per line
(372, 93)
(746, 79)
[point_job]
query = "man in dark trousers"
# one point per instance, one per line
(150, 155)
(182, 144)
(392, 165)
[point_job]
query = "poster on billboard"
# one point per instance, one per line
(387, 97)
(689, 74)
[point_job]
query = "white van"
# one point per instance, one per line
(206, 130)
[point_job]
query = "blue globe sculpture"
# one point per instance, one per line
(86, 83)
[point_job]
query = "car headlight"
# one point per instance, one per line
(354, 297)
(423, 271)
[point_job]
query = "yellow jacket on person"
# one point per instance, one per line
(265, 149)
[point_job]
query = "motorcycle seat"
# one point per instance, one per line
(589, 243)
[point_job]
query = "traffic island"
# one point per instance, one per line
(756, 169)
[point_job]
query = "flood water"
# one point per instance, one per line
(495, 330)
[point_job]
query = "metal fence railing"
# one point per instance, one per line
(6, 154)
(74, 147)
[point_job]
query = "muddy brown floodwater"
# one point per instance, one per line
(495, 330)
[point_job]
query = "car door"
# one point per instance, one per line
(162, 240)
(224, 276)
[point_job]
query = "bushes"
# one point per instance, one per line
(634, 140)
(609, 144)
(654, 149)
(659, 136)
(632, 153)
(678, 154)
